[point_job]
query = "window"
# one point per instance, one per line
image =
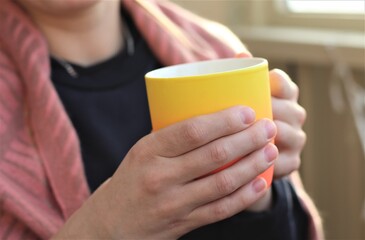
(327, 6)
(338, 15)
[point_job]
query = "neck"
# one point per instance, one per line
(85, 37)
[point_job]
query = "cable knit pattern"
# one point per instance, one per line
(42, 181)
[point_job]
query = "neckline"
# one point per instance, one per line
(74, 70)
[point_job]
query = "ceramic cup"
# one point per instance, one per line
(183, 91)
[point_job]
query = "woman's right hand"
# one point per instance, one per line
(157, 191)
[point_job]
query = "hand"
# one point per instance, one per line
(157, 192)
(289, 118)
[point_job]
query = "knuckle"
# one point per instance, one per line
(179, 226)
(193, 133)
(166, 210)
(302, 115)
(220, 211)
(231, 123)
(302, 139)
(219, 154)
(257, 166)
(224, 184)
(134, 153)
(138, 154)
(153, 182)
(295, 90)
(256, 138)
(142, 150)
(244, 202)
(295, 163)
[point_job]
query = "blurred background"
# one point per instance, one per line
(321, 44)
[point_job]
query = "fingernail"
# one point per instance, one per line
(270, 129)
(248, 115)
(271, 153)
(259, 185)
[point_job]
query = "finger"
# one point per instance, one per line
(286, 163)
(288, 111)
(223, 183)
(243, 55)
(231, 204)
(187, 135)
(289, 137)
(224, 150)
(282, 86)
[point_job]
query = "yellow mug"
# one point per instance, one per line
(183, 91)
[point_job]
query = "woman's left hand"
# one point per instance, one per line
(289, 118)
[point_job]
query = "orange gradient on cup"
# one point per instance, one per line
(183, 91)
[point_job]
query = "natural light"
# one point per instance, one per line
(329, 6)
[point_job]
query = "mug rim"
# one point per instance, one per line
(162, 73)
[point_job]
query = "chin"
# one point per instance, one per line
(58, 7)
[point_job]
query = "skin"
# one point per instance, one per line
(157, 192)
(84, 32)
(289, 118)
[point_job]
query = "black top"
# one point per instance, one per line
(107, 104)
(286, 220)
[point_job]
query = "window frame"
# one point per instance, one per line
(277, 13)
(321, 11)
